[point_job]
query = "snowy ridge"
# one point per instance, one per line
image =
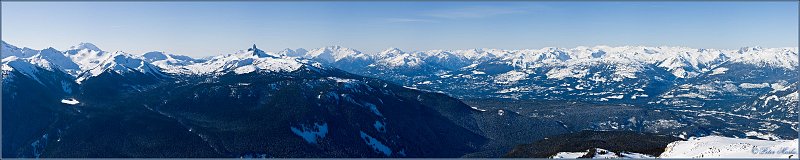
(241, 62)
(300, 52)
(394, 57)
(781, 57)
(159, 58)
(49, 59)
(169, 62)
(682, 62)
(330, 54)
(86, 46)
(724, 147)
(86, 60)
(57, 60)
(560, 63)
(11, 50)
(87, 55)
(121, 63)
(599, 153)
(21, 65)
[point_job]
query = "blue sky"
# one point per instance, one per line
(211, 28)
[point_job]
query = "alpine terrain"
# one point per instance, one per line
(601, 102)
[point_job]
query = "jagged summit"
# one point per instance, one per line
(253, 48)
(258, 52)
(241, 62)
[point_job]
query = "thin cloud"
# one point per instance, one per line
(408, 20)
(474, 12)
(435, 16)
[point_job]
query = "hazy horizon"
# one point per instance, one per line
(211, 28)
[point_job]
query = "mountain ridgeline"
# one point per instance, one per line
(245, 104)
(329, 102)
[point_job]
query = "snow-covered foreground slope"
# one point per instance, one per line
(725, 147)
(599, 153)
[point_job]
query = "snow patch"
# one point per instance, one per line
(720, 70)
(376, 145)
(561, 73)
(341, 80)
(601, 154)
(477, 109)
(754, 85)
(616, 97)
(380, 126)
(510, 76)
(373, 108)
(70, 101)
(765, 136)
(311, 134)
(568, 155)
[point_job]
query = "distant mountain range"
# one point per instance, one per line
(754, 87)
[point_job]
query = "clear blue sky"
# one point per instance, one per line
(211, 28)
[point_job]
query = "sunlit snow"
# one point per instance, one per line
(375, 144)
(70, 101)
(725, 147)
(311, 134)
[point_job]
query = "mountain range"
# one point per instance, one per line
(341, 102)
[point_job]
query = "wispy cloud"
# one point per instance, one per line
(474, 12)
(408, 20)
(434, 16)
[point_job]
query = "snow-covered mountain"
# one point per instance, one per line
(749, 92)
(682, 62)
(241, 62)
(87, 55)
(162, 59)
(293, 53)
(295, 107)
(332, 54)
(122, 63)
(11, 50)
(638, 71)
(599, 73)
(49, 59)
(682, 79)
(394, 57)
(724, 147)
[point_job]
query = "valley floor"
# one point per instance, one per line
(697, 133)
